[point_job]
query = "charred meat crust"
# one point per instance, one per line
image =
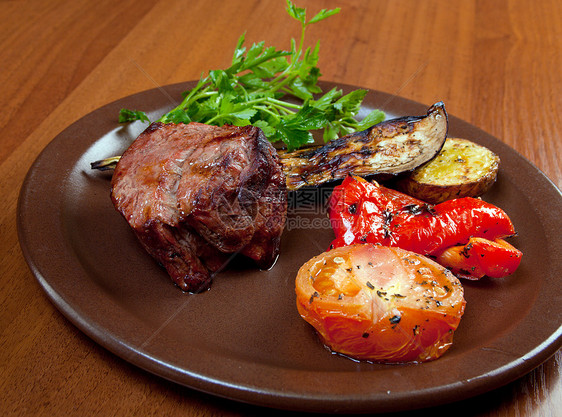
(194, 194)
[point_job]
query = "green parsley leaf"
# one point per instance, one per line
(323, 14)
(275, 90)
(296, 12)
(126, 116)
(374, 117)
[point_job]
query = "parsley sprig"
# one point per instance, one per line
(272, 89)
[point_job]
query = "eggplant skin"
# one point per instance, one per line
(391, 147)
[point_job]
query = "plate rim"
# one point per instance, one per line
(109, 341)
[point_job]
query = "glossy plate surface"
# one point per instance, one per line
(243, 339)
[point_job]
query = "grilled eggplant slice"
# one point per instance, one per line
(462, 169)
(390, 147)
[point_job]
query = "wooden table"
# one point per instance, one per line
(495, 64)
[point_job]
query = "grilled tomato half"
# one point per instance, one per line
(380, 304)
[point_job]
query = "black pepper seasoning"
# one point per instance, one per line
(315, 295)
(395, 319)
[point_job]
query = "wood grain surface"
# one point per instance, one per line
(496, 64)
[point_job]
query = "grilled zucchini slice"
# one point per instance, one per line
(462, 169)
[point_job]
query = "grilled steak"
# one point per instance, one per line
(194, 194)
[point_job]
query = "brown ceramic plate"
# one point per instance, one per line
(244, 339)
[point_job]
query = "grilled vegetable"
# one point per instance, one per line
(480, 257)
(381, 304)
(365, 212)
(462, 169)
(390, 147)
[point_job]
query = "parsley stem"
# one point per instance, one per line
(203, 94)
(268, 111)
(283, 83)
(283, 103)
(272, 89)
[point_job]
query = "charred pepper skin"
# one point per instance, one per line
(366, 212)
(481, 257)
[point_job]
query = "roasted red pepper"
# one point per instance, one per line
(480, 257)
(365, 212)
